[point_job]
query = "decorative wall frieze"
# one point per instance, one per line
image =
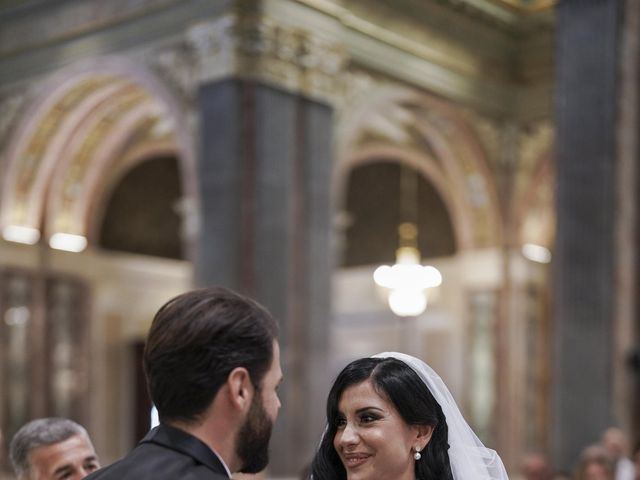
(255, 47)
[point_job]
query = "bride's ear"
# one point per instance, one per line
(423, 434)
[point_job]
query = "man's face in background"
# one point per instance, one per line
(72, 459)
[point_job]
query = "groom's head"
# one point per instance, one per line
(209, 341)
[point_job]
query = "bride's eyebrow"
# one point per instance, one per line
(367, 409)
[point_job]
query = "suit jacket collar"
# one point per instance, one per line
(186, 443)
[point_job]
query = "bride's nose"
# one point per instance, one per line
(348, 435)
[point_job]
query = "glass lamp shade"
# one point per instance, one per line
(407, 273)
(407, 303)
(407, 280)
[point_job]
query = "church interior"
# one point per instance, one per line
(287, 149)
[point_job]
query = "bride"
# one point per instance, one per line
(391, 417)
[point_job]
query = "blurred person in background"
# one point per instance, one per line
(535, 466)
(52, 449)
(615, 443)
(595, 464)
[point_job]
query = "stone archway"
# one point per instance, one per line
(84, 126)
(431, 136)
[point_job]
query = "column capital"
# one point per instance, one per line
(252, 45)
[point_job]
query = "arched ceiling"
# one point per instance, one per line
(69, 141)
(430, 135)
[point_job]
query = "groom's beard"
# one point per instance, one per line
(253, 438)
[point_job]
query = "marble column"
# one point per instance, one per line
(586, 99)
(626, 380)
(264, 173)
(264, 177)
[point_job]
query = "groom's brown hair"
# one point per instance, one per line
(195, 341)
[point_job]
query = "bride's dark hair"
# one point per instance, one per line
(397, 382)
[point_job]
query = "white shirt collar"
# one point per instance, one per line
(222, 462)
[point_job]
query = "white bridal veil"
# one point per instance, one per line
(469, 458)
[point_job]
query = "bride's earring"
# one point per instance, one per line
(417, 455)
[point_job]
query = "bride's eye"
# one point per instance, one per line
(340, 422)
(368, 418)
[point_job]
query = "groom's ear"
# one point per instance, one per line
(240, 388)
(423, 434)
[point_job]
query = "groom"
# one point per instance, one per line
(212, 362)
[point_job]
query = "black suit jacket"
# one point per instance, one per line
(166, 453)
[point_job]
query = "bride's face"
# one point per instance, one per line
(372, 439)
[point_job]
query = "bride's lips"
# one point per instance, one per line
(353, 460)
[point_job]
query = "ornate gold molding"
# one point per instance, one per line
(177, 65)
(257, 47)
(252, 46)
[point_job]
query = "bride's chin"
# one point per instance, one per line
(357, 476)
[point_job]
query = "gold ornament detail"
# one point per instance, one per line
(259, 48)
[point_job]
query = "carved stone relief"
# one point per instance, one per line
(176, 64)
(357, 85)
(252, 47)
